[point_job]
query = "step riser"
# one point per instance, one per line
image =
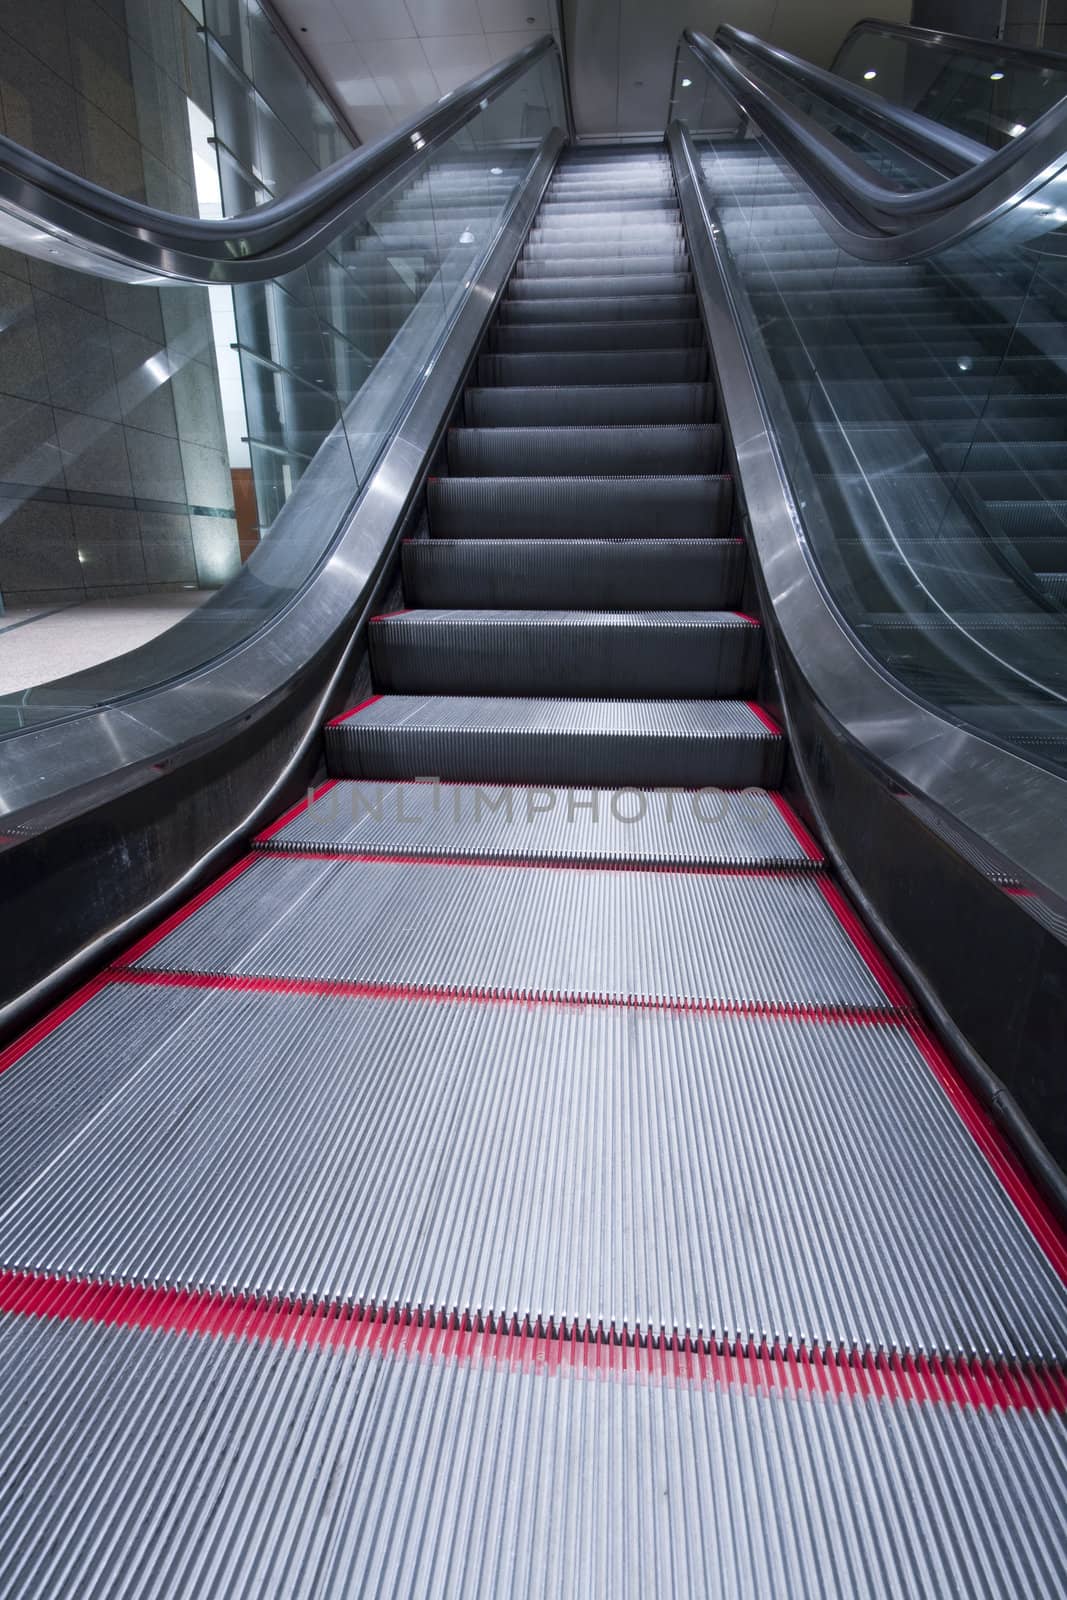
(506, 452)
(576, 310)
(620, 575)
(591, 405)
(594, 366)
(540, 657)
(665, 333)
(579, 508)
(556, 757)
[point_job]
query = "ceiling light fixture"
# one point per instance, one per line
(687, 83)
(995, 77)
(870, 73)
(496, 171)
(1016, 129)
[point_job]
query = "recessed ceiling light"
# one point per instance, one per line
(687, 83)
(995, 77)
(466, 237)
(1016, 129)
(496, 171)
(870, 73)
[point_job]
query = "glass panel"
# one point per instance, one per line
(920, 412)
(239, 429)
(990, 97)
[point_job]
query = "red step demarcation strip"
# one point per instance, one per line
(765, 717)
(800, 833)
(353, 711)
(355, 989)
(746, 617)
(638, 1355)
(294, 811)
(384, 616)
(299, 851)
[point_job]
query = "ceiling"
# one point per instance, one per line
(621, 52)
(386, 59)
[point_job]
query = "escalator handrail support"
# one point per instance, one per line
(961, 775)
(142, 244)
(868, 219)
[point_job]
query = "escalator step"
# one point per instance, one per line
(599, 742)
(739, 940)
(491, 1413)
(601, 334)
(694, 447)
(723, 828)
(580, 508)
(604, 286)
(589, 404)
(679, 654)
(596, 260)
(578, 309)
(563, 367)
(604, 574)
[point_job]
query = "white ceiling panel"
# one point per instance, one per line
(403, 74)
(511, 16)
(502, 45)
(435, 19)
(455, 60)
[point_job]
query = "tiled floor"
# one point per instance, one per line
(46, 642)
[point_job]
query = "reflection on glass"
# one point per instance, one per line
(921, 413)
(990, 99)
(292, 387)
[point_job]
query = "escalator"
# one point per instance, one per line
(523, 1168)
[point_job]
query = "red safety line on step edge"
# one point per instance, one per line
(294, 811)
(1039, 1216)
(891, 985)
(795, 826)
(357, 989)
(40, 1030)
(629, 1355)
(335, 722)
(384, 616)
(755, 621)
(183, 913)
(765, 717)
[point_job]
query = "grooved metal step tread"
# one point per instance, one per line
(529, 740)
(689, 506)
(605, 286)
(643, 448)
(577, 310)
(680, 654)
(750, 828)
(406, 1151)
(620, 574)
(566, 367)
(569, 933)
(666, 333)
(550, 405)
(460, 1475)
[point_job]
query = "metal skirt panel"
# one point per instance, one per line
(728, 1176)
(681, 654)
(566, 932)
(643, 742)
(321, 1472)
(604, 574)
(725, 827)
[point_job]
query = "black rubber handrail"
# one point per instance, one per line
(960, 44)
(48, 211)
(939, 147)
(873, 219)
